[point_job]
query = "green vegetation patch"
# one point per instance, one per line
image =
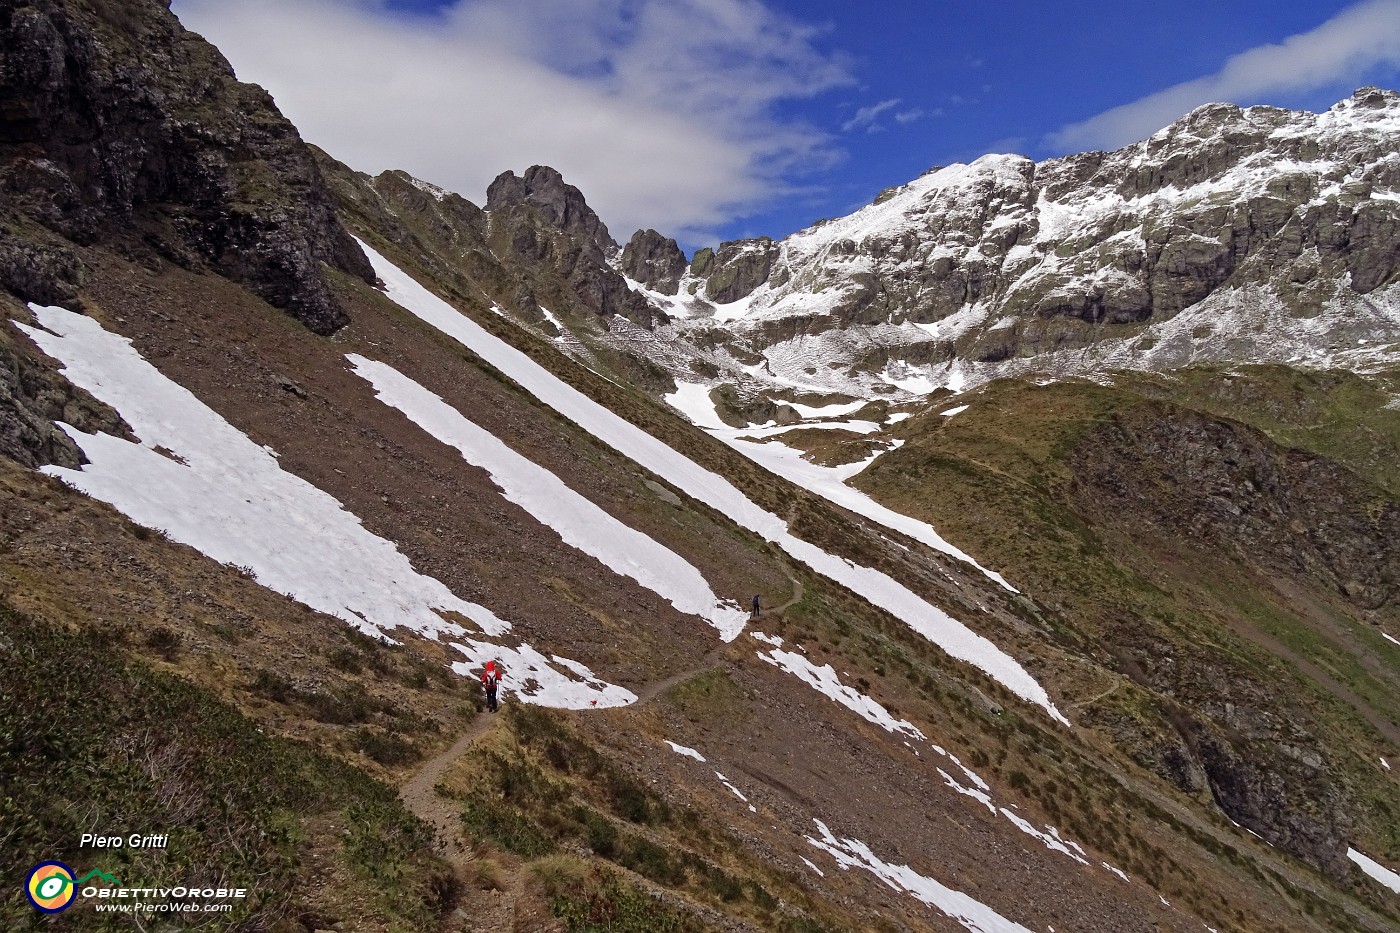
(92, 740)
(710, 697)
(603, 903)
(552, 792)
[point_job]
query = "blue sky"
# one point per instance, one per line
(712, 119)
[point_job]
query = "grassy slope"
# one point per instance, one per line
(94, 739)
(999, 480)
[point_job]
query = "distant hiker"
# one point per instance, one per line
(490, 680)
(756, 604)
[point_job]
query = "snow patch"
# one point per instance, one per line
(429, 188)
(1051, 838)
(229, 499)
(1376, 870)
(682, 750)
(827, 411)
(692, 399)
(976, 795)
(825, 680)
(763, 432)
(552, 318)
(954, 411)
(735, 791)
(971, 913)
(580, 523)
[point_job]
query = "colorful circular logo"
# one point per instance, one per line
(50, 887)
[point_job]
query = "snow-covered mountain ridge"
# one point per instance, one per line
(1276, 233)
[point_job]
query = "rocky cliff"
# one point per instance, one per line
(1234, 234)
(117, 126)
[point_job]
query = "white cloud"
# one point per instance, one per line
(866, 116)
(1361, 37)
(916, 113)
(661, 111)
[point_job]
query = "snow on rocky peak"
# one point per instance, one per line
(1276, 231)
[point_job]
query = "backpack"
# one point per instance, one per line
(489, 678)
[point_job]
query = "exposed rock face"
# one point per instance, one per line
(737, 268)
(36, 266)
(654, 260)
(1284, 793)
(739, 411)
(172, 152)
(1226, 488)
(1248, 219)
(32, 397)
(556, 202)
(1230, 487)
(543, 229)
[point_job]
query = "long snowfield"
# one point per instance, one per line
(206, 484)
(576, 520)
(693, 400)
(880, 589)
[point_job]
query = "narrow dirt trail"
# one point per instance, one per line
(652, 691)
(711, 660)
(796, 598)
(419, 795)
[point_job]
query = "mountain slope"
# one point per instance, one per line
(1168, 539)
(252, 503)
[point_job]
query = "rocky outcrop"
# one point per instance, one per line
(1218, 487)
(1229, 487)
(1284, 792)
(545, 231)
(33, 396)
(558, 203)
(740, 410)
(654, 260)
(36, 266)
(737, 268)
(117, 123)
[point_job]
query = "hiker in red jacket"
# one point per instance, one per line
(490, 679)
